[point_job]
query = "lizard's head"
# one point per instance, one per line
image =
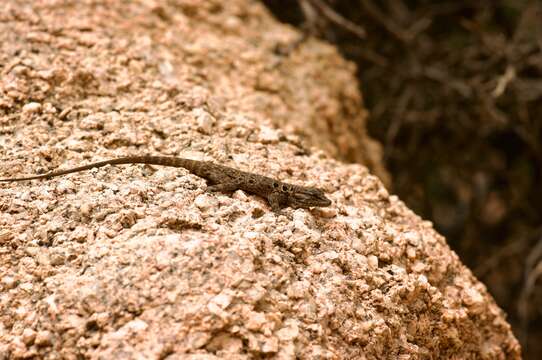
(303, 197)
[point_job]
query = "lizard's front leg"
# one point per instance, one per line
(275, 200)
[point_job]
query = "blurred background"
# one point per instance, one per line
(454, 91)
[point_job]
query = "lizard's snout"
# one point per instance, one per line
(305, 197)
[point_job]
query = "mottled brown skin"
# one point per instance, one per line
(220, 178)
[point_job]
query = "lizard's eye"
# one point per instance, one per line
(275, 185)
(284, 188)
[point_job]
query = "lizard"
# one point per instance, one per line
(219, 178)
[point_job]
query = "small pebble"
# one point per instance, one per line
(32, 107)
(204, 120)
(29, 336)
(44, 338)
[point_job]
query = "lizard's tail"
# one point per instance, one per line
(188, 164)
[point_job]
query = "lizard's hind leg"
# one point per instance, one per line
(223, 187)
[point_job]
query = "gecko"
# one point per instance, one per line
(219, 178)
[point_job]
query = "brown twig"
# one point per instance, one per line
(338, 19)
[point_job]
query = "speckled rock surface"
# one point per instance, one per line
(139, 262)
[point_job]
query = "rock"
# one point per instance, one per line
(139, 261)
